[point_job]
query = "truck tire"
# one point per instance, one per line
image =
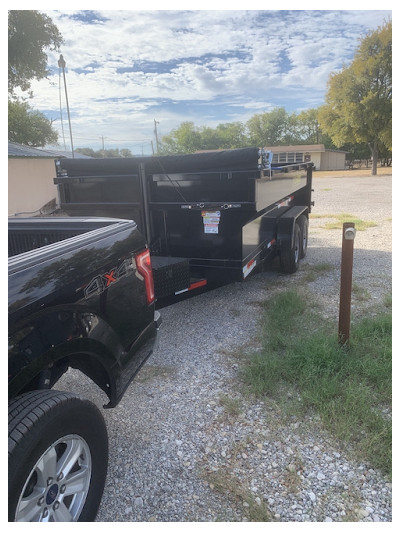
(303, 225)
(57, 458)
(290, 255)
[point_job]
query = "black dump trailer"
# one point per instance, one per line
(209, 217)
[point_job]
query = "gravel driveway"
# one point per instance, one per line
(186, 445)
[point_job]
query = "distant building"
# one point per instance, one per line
(30, 179)
(323, 158)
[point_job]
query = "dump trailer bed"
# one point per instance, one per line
(216, 215)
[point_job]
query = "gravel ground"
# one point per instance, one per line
(186, 445)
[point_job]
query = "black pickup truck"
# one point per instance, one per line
(81, 296)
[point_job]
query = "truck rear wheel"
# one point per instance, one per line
(290, 255)
(57, 458)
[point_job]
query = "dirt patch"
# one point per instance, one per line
(353, 173)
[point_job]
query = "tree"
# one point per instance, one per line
(271, 128)
(231, 135)
(358, 105)
(111, 152)
(188, 138)
(182, 140)
(29, 127)
(29, 34)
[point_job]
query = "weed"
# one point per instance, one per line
(360, 293)
(313, 272)
(387, 302)
(292, 479)
(232, 406)
(230, 486)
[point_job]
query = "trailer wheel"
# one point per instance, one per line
(290, 255)
(57, 458)
(303, 225)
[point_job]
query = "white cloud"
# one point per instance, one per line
(128, 65)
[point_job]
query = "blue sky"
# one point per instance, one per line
(127, 68)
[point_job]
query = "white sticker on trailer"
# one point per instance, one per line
(211, 228)
(211, 221)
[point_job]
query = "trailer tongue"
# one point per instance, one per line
(208, 217)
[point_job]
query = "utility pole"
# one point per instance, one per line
(156, 134)
(102, 143)
(61, 64)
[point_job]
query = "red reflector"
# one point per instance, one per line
(143, 264)
(197, 284)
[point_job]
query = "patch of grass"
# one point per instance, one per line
(232, 406)
(292, 479)
(233, 488)
(388, 301)
(313, 272)
(361, 294)
(346, 386)
(341, 218)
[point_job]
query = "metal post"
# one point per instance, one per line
(156, 133)
(348, 236)
(61, 64)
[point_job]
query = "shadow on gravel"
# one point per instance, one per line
(370, 262)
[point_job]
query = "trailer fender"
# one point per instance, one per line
(286, 225)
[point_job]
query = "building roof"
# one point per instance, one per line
(20, 150)
(301, 148)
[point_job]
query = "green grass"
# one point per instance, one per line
(231, 487)
(341, 218)
(313, 272)
(347, 386)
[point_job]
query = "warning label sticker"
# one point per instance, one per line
(211, 221)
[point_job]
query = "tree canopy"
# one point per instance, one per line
(358, 105)
(272, 128)
(110, 152)
(29, 127)
(30, 33)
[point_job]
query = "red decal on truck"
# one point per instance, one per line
(101, 282)
(110, 278)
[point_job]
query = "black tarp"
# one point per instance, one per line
(224, 160)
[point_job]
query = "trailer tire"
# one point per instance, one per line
(290, 255)
(303, 225)
(57, 458)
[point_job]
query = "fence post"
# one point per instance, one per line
(346, 277)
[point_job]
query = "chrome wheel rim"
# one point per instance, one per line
(57, 486)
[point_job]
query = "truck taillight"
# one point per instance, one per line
(143, 265)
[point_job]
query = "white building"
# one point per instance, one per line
(323, 158)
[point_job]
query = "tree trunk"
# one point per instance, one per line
(374, 153)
